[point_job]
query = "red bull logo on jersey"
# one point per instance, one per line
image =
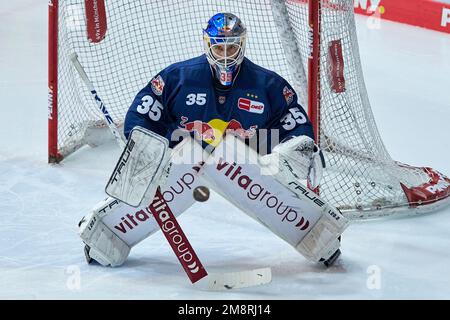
(157, 84)
(212, 131)
(235, 127)
(250, 105)
(203, 130)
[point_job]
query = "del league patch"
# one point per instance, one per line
(250, 105)
(157, 85)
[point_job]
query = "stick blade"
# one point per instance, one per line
(235, 280)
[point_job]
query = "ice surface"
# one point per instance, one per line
(406, 71)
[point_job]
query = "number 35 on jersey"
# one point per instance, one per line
(151, 107)
(198, 99)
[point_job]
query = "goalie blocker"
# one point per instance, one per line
(280, 202)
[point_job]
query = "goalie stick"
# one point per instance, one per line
(165, 218)
(109, 121)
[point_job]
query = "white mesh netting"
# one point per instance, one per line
(145, 36)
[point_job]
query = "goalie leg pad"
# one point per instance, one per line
(113, 227)
(105, 246)
(321, 242)
(281, 203)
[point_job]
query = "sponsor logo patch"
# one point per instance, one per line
(258, 193)
(157, 85)
(288, 95)
(212, 131)
(250, 105)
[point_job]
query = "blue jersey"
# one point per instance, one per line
(185, 96)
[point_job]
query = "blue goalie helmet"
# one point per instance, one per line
(224, 39)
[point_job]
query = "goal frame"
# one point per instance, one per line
(315, 88)
(313, 75)
(53, 155)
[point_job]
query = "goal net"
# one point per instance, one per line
(312, 44)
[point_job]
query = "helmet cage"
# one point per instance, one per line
(218, 50)
(225, 54)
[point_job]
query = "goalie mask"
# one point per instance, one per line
(224, 39)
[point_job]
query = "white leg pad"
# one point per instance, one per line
(105, 246)
(321, 242)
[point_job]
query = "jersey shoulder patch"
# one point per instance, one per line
(157, 84)
(288, 94)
